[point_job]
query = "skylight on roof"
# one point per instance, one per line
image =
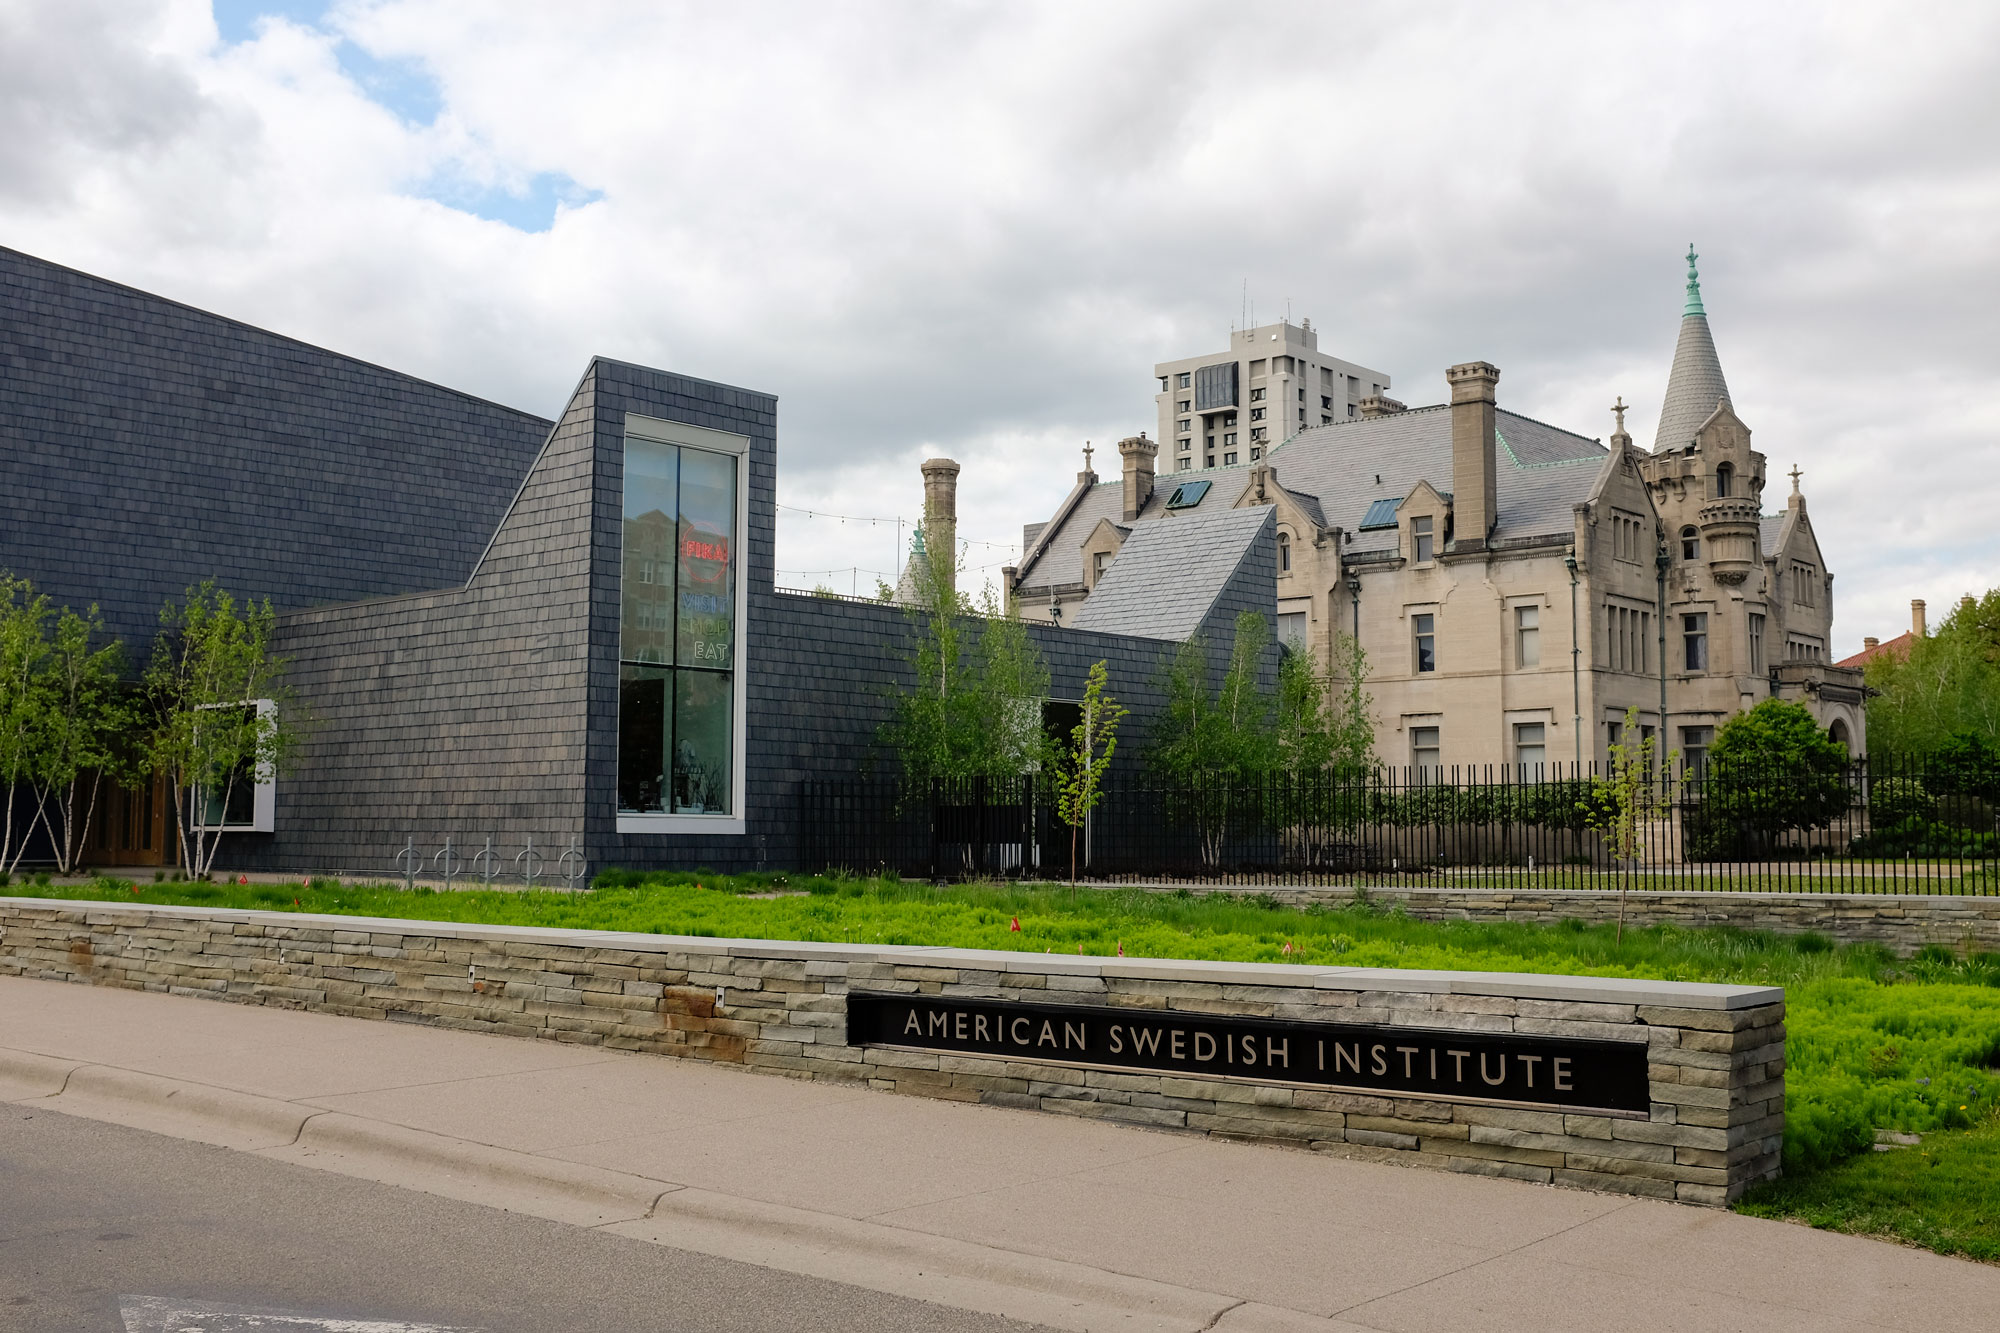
(1188, 494)
(1381, 514)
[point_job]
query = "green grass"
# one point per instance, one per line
(1873, 1042)
(1943, 1195)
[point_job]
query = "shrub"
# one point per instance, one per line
(1893, 801)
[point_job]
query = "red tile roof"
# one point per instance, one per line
(1896, 647)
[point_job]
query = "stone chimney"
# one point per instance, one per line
(1379, 405)
(1917, 626)
(941, 518)
(1138, 453)
(1870, 643)
(1474, 469)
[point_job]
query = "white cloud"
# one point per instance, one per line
(971, 230)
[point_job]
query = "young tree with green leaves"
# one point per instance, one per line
(1206, 746)
(24, 646)
(974, 709)
(1080, 775)
(210, 666)
(84, 718)
(1629, 803)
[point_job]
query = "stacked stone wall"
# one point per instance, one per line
(1715, 1055)
(1903, 922)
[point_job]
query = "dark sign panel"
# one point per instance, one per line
(1559, 1072)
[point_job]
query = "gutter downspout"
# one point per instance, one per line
(1575, 663)
(1660, 562)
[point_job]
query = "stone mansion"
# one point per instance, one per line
(1518, 588)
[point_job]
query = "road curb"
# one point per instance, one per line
(872, 1255)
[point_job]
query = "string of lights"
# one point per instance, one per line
(897, 521)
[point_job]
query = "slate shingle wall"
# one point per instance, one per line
(145, 446)
(492, 710)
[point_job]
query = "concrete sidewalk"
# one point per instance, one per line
(1074, 1224)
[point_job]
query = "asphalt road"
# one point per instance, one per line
(111, 1230)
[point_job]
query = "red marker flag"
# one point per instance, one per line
(1121, 948)
(1016, 926)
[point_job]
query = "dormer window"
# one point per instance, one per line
(1725, 481)
(1284, 553)
(1690, 543)
(1422, 539)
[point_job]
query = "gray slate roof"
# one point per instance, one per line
(1543, 471)
(1768, 528)
(1168, 575)
(146, 445)
(1694, 386)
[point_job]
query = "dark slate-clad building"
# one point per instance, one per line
(497, 626)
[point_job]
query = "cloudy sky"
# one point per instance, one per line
(970, 230)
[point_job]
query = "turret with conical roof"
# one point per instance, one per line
(1695, 385)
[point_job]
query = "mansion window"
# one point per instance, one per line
(1694, 639)
(1630, 631)
(1423, 634)
(677, 642)
(1284, 553)
(1099, 562)
(1803, 577)
(1690, 543)
(1756, 643)
(1694, 750)
(1626, 536)
(1527, 636)
(1725, 480)
(1804, 650)
(1531, 747)
(1422, 539)
(1424, 748)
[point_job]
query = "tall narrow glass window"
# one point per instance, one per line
(677, 634)
(1423, 629)
(1527, 636)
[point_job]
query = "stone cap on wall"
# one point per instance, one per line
(1526, 985)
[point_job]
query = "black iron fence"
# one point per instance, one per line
(1881, 826)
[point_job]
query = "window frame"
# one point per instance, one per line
(1694, 641)
(1436, 747)
(263, 787)
(1523, 630)
(1423, 630)
(682, 435)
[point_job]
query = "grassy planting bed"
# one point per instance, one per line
(1874, 1043)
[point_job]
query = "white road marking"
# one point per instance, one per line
(160, 1314)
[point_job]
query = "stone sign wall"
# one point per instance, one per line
(1667, 1089)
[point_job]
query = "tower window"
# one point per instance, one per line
(1690, 543)
(1694, 639)
(1725, 481)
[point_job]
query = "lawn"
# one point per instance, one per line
(1874, 1042)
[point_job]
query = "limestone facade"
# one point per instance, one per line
(1517, 588)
